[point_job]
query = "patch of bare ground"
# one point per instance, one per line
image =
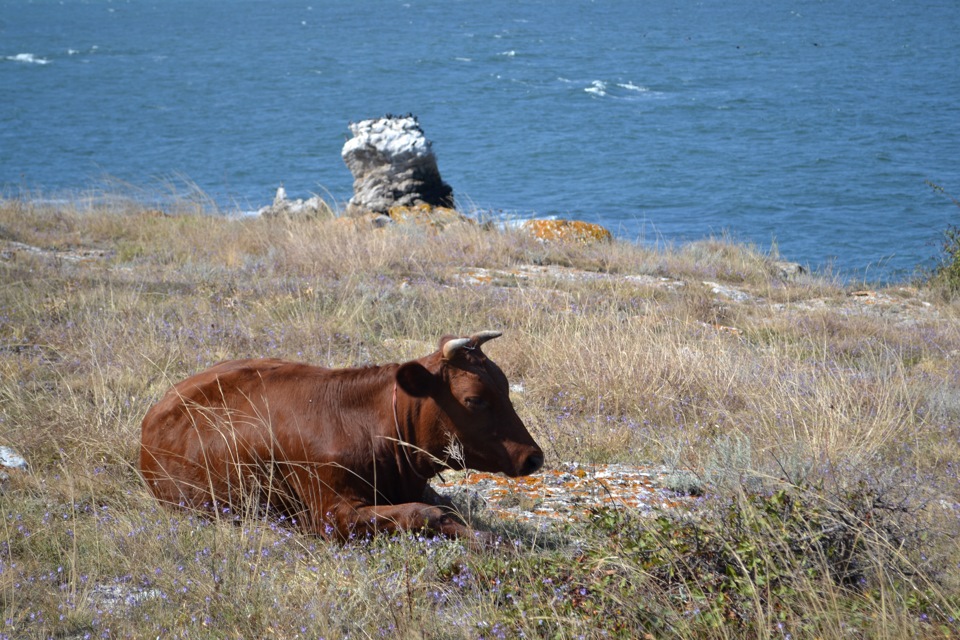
(903, 303)
(10, 250)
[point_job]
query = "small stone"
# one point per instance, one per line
(787, 270)
(365, 222)
(728, 292)
(11, 459)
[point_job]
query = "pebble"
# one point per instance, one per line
(11, 459)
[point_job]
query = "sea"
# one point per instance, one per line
(826, 131)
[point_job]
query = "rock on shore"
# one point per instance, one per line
(313, 207)
(393, 165)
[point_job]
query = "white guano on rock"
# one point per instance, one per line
(393, 164)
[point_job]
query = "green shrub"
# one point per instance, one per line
(946, 274)
(765, 564)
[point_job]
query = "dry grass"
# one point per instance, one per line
(854, 411)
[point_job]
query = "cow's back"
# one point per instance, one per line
(221, 434)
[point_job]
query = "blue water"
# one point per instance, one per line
(811, 125)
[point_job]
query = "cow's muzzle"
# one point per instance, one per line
(532, 464)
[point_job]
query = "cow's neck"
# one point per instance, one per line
(412, 452)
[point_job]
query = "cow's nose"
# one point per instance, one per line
(532, 464)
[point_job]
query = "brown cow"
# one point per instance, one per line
(343, 451)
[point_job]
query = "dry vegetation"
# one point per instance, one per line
(825, 432)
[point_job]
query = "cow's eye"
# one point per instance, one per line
(476, 403)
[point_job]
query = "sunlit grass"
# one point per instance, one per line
(827, 435)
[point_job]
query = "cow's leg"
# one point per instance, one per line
(358, 519)
(336, 514)
(411, 516)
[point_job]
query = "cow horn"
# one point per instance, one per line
(479, 338)
(451, 347)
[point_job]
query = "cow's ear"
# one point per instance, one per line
(416, 380)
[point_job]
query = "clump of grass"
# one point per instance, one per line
(780, 563)
(945, 275)
(821, 436)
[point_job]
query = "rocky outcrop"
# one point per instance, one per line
(313, 207)
(393, 165)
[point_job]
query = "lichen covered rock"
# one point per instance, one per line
(426, 215)
(567, 231)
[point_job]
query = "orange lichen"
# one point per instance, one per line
(567, 231)
(427, 215)
(571, 493)
(722, 328)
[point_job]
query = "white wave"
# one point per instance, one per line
(28, 58)
(72, 52)
(633, 87)
(597, 88)
(463, 59)
(508, 54)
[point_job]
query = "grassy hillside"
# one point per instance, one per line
(823, 424)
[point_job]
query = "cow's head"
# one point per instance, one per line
(473, 398)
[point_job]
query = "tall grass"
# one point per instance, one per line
(826, 434)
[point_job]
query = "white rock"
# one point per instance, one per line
(728, 292)
(397, 139)
(11, 459)
(393, 164)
